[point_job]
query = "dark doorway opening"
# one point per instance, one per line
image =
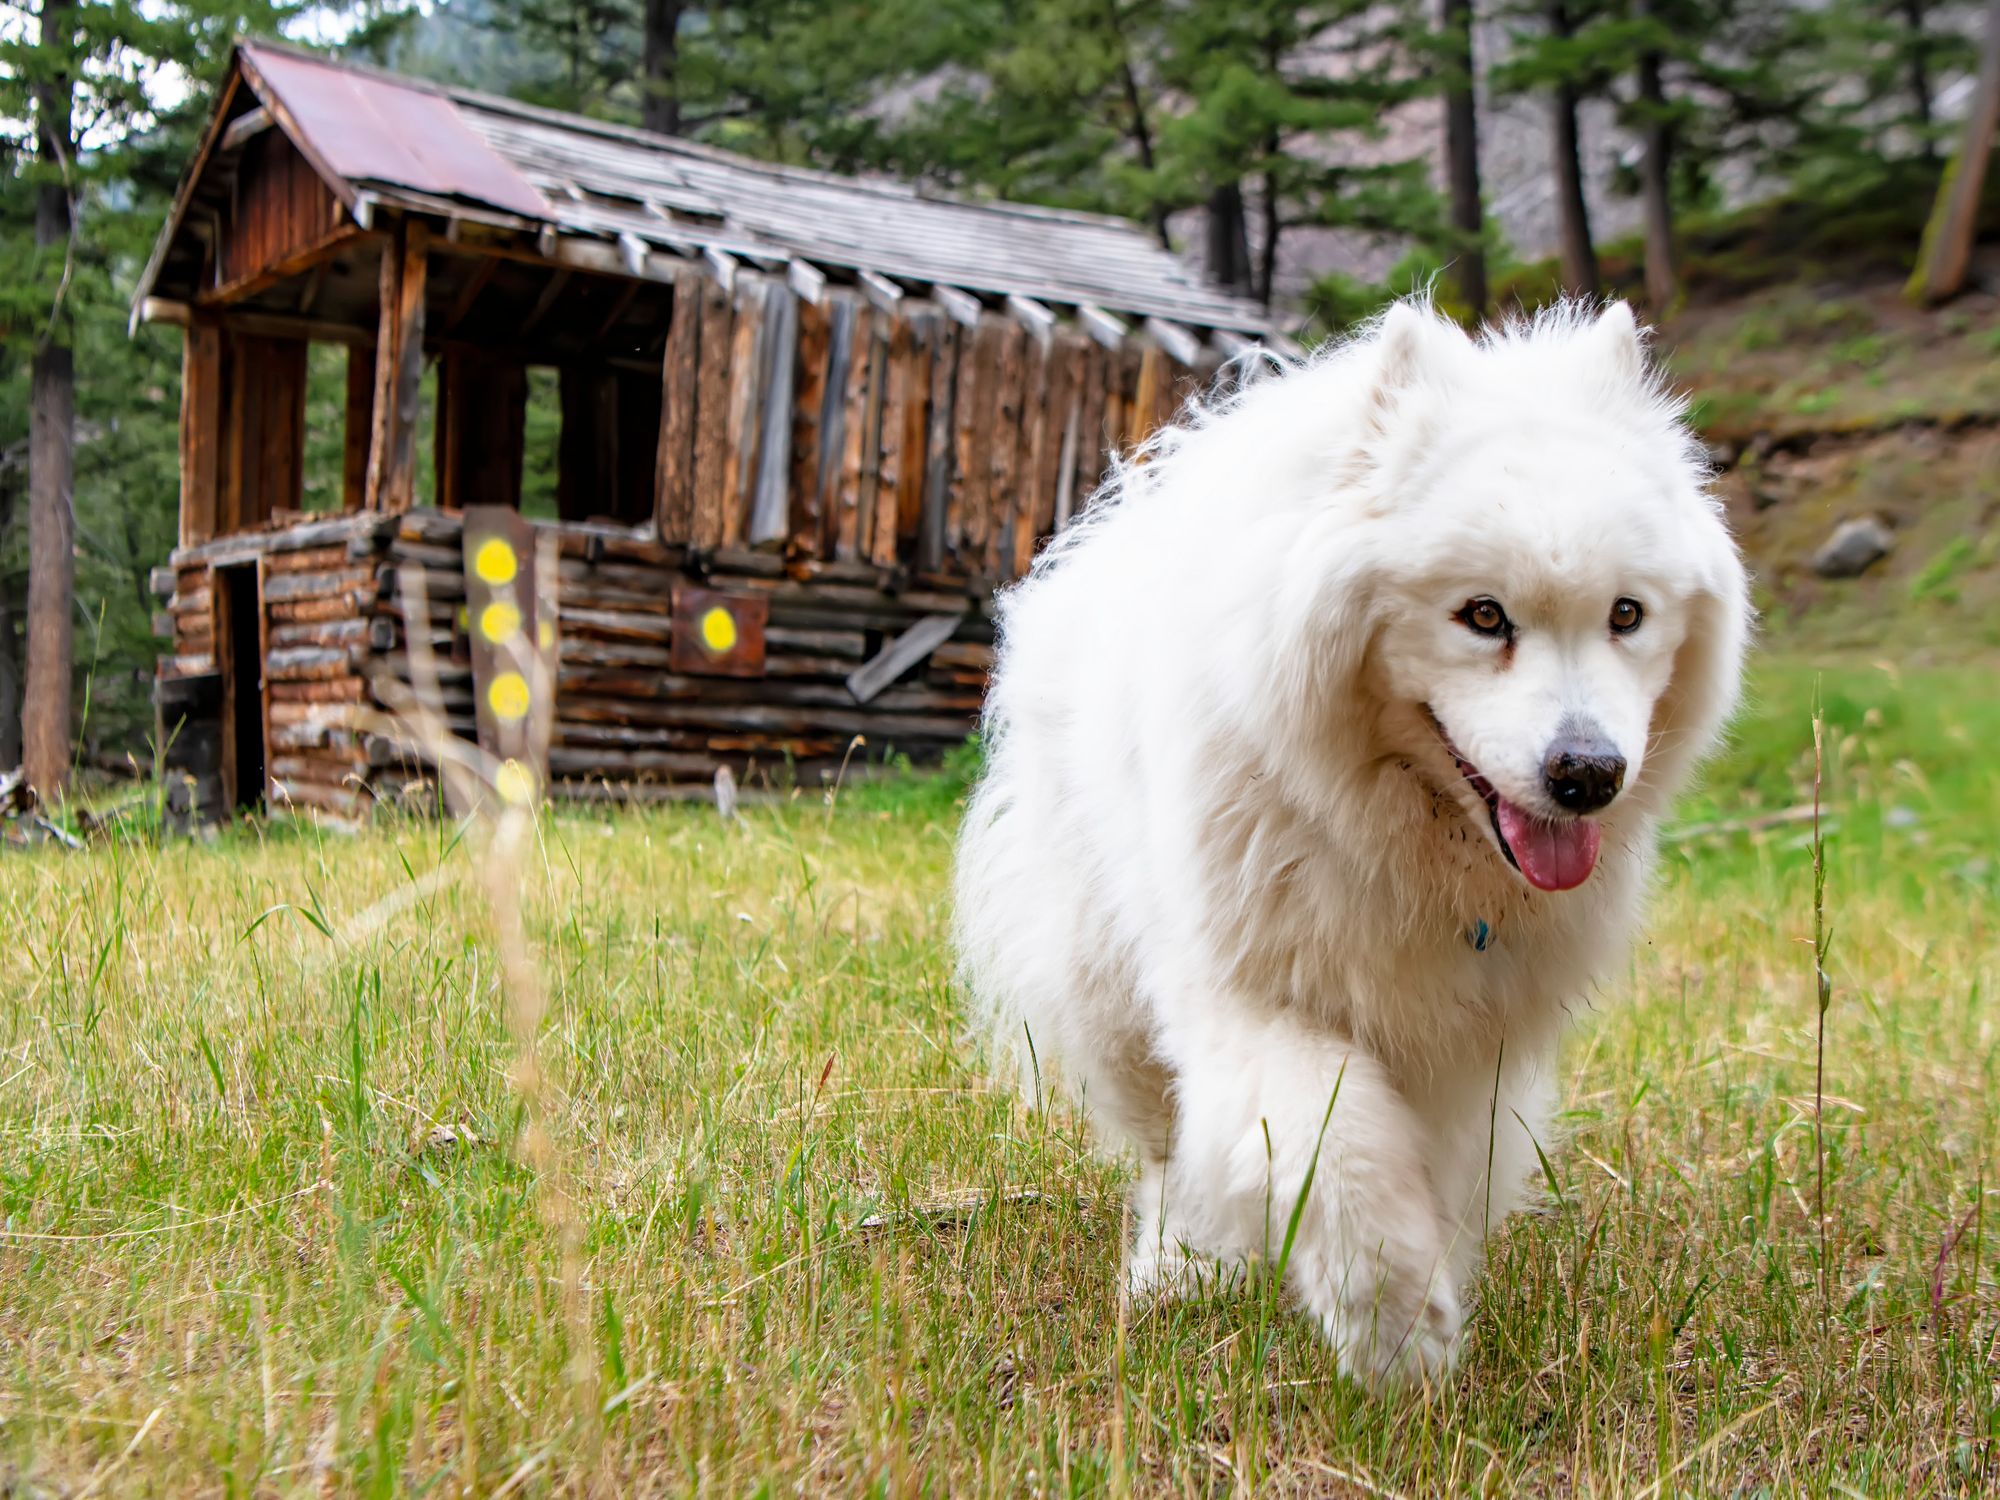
(239, 642)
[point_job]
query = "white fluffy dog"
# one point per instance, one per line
(1326, 757)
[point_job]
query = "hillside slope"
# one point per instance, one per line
(1827, 397)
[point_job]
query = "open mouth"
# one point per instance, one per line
(1552, 854)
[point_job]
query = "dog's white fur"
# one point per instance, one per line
(1221, 864)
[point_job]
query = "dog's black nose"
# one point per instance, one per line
(1583, 772)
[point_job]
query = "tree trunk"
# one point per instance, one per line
(1946, 255)
(51, 447)
(1920, 75)
(1579, 252)
(10, 658)
(1461, 150)
(1142, 139)
(1267, 253)
(660, 59)
(1228, 239)
(1655, 178)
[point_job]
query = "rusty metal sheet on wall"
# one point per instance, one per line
(510, 612)
(719, 634)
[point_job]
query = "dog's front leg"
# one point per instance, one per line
(1273, 1111)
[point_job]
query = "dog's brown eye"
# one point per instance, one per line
(1626, 615)
(1485, 616)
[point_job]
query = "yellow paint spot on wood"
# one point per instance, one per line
(514, 782)
(546, 634)
(718, 631)
(500, 621)
(495, 562)
(508, 696)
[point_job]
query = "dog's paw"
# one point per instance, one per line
(1158, 1272)
(1394, 1338)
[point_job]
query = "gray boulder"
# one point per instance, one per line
(1854, 548)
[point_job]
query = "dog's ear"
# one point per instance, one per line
(1413, 342)
(1412, 347)
(1615, 341)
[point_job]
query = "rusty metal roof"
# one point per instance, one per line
(426, 147)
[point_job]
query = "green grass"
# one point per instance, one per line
(264, 1227)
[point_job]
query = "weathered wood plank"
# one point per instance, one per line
(844, 308)
(1152, 394)
(680, 372)
(871, 432)
(814, 339)
(901, 654)
(1044, 363)
(1055, 461)
(1092, 455)
(912, 455)
(712, 417)
(746, 391)
(968, 519)
(769, 498)
(1004, 449)
(856, 438)
(938, 444)
(895, 393)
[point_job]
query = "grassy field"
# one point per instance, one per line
(267, 1227)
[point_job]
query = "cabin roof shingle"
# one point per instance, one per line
(428, 147)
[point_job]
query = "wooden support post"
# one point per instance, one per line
(399, 368)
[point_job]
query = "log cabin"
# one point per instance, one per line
(801, 428)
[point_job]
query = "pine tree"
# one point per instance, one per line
(1566, 55)
(1282, 103)
(79, 81)
(1461, 151)
(1053, 101)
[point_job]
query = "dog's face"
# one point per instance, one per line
(1556, 563)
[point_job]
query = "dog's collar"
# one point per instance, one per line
(1479, 935)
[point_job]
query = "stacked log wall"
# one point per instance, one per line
(624, 715)
(316, 594)
(317, 654)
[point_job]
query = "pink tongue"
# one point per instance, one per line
(1554, 856)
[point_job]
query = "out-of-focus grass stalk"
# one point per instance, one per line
(503, 804)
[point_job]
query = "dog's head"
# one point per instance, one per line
(1557, 613)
